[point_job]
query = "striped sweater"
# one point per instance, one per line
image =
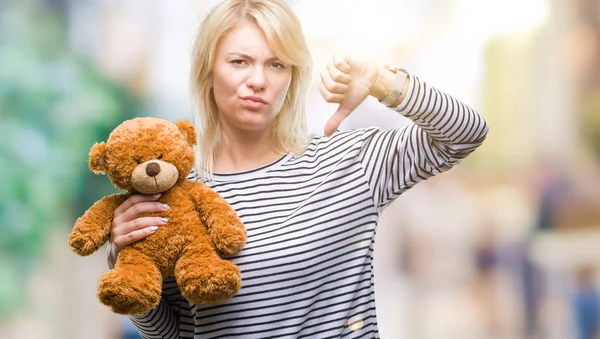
(307, 267)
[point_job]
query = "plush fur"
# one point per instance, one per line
(152, 155)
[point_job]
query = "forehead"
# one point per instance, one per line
(245, 37)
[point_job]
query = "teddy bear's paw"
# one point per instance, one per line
(210, 284)
(230, 241)
(82, 246)
(128, 294)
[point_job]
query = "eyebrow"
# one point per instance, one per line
(247, 56)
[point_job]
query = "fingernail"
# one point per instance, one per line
(156, 196)
(164, 220)
(165, 207)
(153, 228)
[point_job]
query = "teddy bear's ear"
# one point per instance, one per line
(187, 129)
(97, 161)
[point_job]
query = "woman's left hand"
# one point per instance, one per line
(348, 81)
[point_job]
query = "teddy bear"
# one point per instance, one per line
(153, 155)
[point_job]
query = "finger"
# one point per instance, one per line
(336, 74)
(137, 224)
(336, 119)
(331, 85)
(134, 236)
(134, 199)
(342, 63)
(136, 210)
(328, 96)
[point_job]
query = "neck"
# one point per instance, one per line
(243, 151)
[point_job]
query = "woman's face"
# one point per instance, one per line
(249, 82)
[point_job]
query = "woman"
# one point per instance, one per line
(310, 205)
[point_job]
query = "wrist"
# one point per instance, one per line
(383, 84)
(398, 89)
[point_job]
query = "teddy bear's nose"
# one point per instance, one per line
(152, 169)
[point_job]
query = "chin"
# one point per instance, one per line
(253, 127)
(255, 121)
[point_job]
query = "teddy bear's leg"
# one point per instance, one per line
(203, 277)
(134, 286)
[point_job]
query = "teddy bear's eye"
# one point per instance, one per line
(159, 156)
(137, 160)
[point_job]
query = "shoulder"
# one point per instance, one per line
(339, 139)
(330, 149)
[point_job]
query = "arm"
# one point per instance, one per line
(444, 132)
(163, 321)
(442, 116)
(92, 229)
(224, 227)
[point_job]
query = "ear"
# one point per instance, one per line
(187, 129)
(97, 160)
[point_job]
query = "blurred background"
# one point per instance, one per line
(504, 246)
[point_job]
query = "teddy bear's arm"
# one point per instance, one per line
(224, 227)
(92, 229)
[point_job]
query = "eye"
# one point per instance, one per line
(238, 62)
(159, 156)
(138, 160)
(278, 65)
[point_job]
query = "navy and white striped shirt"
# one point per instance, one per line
(307, 267)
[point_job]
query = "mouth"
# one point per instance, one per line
(252, 98)
(254, 103)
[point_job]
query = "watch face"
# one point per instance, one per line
(392, 97)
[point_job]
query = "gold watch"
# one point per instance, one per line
(392, 99)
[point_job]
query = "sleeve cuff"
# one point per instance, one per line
(111, 255)
(403, 105)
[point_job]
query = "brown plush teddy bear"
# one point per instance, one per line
(153, 155)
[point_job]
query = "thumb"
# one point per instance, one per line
(336, 119)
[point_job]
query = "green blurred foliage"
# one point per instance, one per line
(53, 106)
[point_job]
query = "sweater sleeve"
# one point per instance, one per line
(162, 321)
(444, 132)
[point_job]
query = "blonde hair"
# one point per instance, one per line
(284, 33)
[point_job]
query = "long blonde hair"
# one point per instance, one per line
(284, 33)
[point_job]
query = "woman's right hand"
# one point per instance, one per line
(128, 227)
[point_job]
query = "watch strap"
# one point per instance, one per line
(392, 99)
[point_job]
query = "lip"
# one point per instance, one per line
(255, 99)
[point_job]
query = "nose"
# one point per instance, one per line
(257, 79)
(152, 169)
